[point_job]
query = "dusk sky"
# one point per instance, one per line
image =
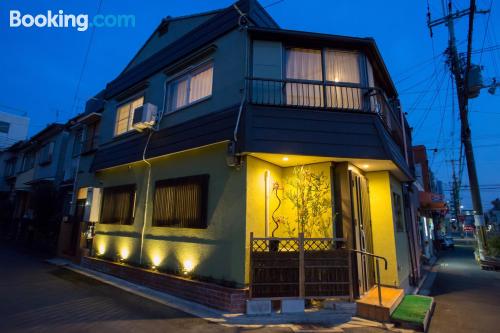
(41, 67)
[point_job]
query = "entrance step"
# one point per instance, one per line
(368, 306)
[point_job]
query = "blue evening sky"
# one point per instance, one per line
(40, 67)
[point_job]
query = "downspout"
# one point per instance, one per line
(75, 178)
(148, 165)
(403, 125)
(243, 23)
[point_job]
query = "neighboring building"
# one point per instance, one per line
(13, 128)
(33, 172)
(432, 207)
(82, 145)
(494, 215)
(246, 111)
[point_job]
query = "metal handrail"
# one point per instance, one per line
(377, 269)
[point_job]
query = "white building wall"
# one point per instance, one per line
(16, 130)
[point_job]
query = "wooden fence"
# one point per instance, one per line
(299, 267)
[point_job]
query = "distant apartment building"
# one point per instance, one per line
(432, 206)
(13, 128)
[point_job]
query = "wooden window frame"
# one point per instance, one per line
(201, 180)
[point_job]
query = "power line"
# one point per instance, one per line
(85, 60)
(273, 3)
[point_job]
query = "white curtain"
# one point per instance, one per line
(343, 67)
(179, 93)
(304, 64)
(191, 87)
(201, 85)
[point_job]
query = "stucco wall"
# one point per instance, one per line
(228, 82)
(387, 241)
(383, 229)
(217, 251)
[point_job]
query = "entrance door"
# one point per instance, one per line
(362, 231)
(76, 226)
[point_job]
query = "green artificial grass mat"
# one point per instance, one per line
(412, 309)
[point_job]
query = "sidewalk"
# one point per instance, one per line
(324, 320)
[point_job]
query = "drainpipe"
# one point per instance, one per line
(243, 23)
(155, 127)
(401, 114)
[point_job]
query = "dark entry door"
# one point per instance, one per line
(362, 231)
(76, 227)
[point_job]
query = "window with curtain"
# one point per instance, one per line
(191, 87)
(342, 68)
(304, 64)
(125, 115)
(28, 161)
(398, 211)
(181, 202)
(118, 205)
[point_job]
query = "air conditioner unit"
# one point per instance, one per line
(93, 204)
(144, 116)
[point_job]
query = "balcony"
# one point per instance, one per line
(329, 97)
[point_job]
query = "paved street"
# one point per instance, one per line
(39, 297)
(467, 298)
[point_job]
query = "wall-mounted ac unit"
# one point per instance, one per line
(93, 204)
(144, 116)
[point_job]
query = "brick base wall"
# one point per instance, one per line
(222, 298)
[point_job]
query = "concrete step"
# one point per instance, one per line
(368, 305)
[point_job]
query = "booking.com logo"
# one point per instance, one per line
(61, 20)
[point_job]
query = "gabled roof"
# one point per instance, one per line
(47, 132)
(164, 23)
(224, 21)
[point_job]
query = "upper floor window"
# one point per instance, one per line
(125, 115)
(334, 75)
(10, 167)
(77, 143)
(342, 66)
(46, 153)
(4, 127)
(28, 161)
(91, 137)
(191, 87)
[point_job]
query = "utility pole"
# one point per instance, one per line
(461, 79)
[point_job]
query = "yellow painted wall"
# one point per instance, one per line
(383, 229)
(255, 198)
(217, 251)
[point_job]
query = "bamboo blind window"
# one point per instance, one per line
(181, 202)
(118, 205)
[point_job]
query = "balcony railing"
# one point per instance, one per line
(328, 96)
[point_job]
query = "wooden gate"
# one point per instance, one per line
(312, 268)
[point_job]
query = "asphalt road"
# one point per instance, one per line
(39, 297)
(467, 298)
